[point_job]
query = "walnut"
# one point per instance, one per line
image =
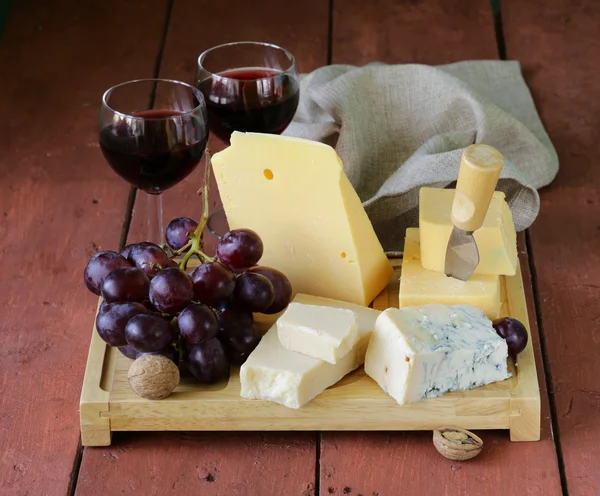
(153, 377)
(457, 444)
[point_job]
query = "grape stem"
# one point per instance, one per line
(195, 243)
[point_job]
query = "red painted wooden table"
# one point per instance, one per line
(60, 202)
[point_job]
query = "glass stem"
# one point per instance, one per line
(155, 219)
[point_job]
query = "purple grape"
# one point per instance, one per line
(514, 332)
(169, 352)
(213, 283)
(234, 323)
(253, 292)
(240, 248)
(148, 332)
(99, 266)
(207, 361)
(125, 284)
(282, 287)
(149, 257)
(197, 323)
(171, 290)
(112, 319)
(238, 346)
(126, 250)
(128, 351)
(177, 232)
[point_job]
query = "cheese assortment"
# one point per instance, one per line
(292, 379)
(295, 195)
(419, 286)
(424, 351)
(318, 331)
(496, 239)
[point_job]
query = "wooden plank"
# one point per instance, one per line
(59, 203)
(557, 44)
(435, 33)
(432, 32)
(248, 464)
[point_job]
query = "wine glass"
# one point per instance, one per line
(153, 133)
(248, 86)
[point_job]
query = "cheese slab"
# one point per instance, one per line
(423, 352)
(318, 331)
(496, 239)
(295, 195)
(292, 379)
(419, 286)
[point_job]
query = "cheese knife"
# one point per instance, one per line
(480, 167)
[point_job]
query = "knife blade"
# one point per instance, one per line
(480, 167)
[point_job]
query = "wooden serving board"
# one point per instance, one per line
(355, 403)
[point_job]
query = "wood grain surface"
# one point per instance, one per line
(251, 464)
(422, 32)
(59, 203)
(557, 43)
(369, 464)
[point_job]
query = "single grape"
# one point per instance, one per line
(197, 323)
(112, 319)
(282, 287)
(240, 248)
(213, 283)
(233, 322)
(128, 351)
(170, 352)
(149, 257)
(239, 346)
(126, 250)
(253, 292)
(171, 290)
(177, 232)
(514, 332)
(148, 332)
(99, 266)
(125, 284)
(207, 361)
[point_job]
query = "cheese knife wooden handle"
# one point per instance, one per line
(480, 168)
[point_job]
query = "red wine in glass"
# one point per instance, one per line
(157, 154)
(250, 99)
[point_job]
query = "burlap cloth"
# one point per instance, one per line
(400, 127)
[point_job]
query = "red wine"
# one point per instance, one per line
(243, 100)
(156, 153)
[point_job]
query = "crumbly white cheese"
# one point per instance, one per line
(425, 351)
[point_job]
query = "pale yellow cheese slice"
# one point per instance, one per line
(295, 195)
(419, 286)
(274, 373)
(496, 239)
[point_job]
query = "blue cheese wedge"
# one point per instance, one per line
(425, 351)
(318, 331)
(274, 373)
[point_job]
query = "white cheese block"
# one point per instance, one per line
(425, 351)
(292, 379)
(317, 331)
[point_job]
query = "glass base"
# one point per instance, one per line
(217, 223)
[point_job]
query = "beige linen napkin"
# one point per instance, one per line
(400, 127)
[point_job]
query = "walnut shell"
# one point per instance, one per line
(457, 444)
(153, 377)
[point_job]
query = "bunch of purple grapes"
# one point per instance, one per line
(203, 319)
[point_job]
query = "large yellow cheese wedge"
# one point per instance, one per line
(496, 239)
(295, 195)
(419, 286)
